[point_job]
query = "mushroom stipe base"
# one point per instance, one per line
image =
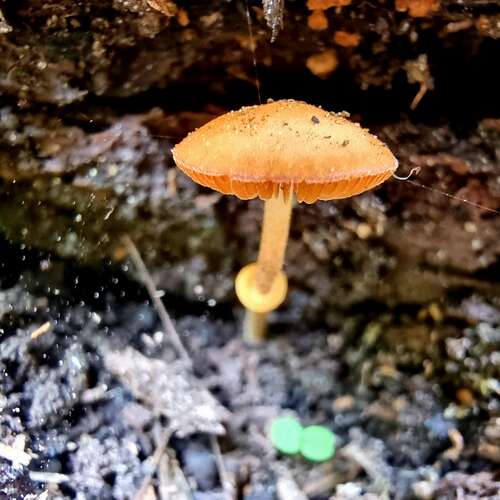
(257, 304)
(262, 286)
(252, 296)
(254, 327)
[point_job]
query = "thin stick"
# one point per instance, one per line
(227, 484)
(166, 322)
(40, 330)
(157, 456)
(48, 477)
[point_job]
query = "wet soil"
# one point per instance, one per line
(412, 393)
(390, 335)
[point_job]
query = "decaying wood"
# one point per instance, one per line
(84, 147)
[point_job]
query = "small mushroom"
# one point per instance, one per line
(278, 151)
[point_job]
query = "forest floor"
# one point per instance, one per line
(390, 335)
(96, 403)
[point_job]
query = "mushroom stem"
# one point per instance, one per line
(261, 286)
(254, 326)
(275, 229)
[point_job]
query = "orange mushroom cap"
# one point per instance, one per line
(285, 145)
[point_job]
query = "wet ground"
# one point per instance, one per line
(391, 333)
(97, 404)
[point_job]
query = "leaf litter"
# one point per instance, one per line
(169, 390)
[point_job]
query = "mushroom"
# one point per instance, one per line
(279, 151)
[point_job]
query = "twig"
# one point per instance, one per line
(286, 487)
(175, 339)
(419, 95)
(453, 453)
(146, 278)
(95, 394)
(40, 330)
(48, 477)
(227, 484)
(155, 461)
(172, 483)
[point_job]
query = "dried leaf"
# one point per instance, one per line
(4, 26)
(169, 390)
(166, 7)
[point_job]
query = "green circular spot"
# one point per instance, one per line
(286, 434)
(317, 443)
